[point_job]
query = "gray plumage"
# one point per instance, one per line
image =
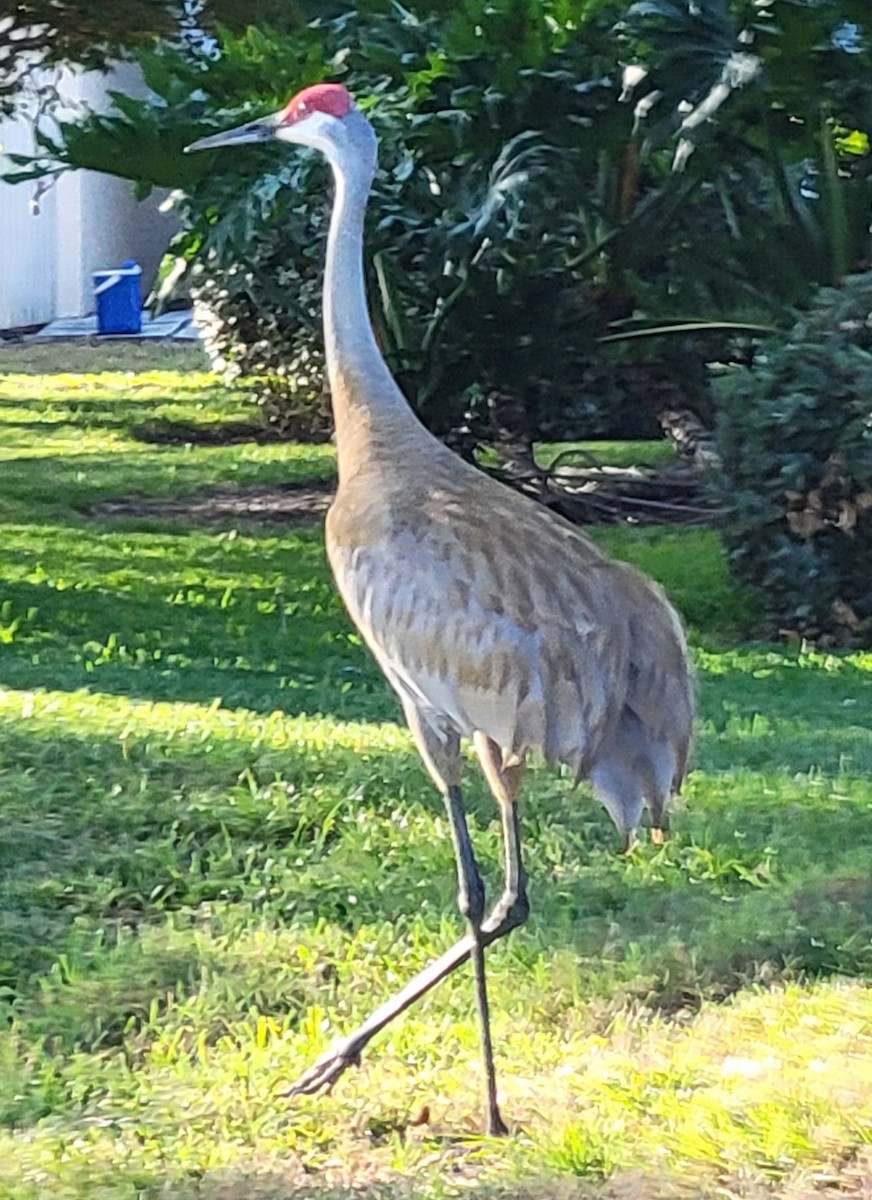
(493, 619)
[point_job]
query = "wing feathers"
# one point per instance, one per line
(506, 620)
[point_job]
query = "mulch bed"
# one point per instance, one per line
(289, 505)
(598, 496)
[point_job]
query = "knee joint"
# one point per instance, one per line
(510, 912)
(470, 901)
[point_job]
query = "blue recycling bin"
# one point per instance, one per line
(119, 307)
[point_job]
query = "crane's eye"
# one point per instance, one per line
(302, 107)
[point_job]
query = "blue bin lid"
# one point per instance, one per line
(103, 280)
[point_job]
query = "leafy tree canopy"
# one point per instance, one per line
(89, 33)
(532, 198)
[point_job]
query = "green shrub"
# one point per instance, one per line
(512, 222)
(482, 205)
(525, 207)
(795, 437)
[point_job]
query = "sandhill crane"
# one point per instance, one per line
(493, 619)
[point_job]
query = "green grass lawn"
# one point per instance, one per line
(220, 849)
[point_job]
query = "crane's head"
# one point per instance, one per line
(323, 116)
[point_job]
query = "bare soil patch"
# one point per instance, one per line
(289, 505)
(600, 496)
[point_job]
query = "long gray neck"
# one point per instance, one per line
(369, 409)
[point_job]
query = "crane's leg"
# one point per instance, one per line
(504, 779)
(440, 750)
(509, 912)
(470, 901)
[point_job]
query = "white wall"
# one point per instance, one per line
(28, 244)
(87, 222)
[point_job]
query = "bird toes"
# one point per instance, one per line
(323, 1074)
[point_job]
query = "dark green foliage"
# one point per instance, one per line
(510, 226)
(95, 34)
(796, 442)
(484, 278)
(771, 107)
(48, 32)
(525, 208)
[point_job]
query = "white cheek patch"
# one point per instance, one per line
(311, 130)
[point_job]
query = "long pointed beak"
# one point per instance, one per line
(262, 130)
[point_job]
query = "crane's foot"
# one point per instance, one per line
(495, 1126)
(322, 1075)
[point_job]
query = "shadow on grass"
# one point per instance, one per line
(767, 730)
(44, 356)
(156, 431)
(164, 431)
(258, 625)
(89, 414)
(125, 858)
(294, 1183)
(70, 484)
(190, 616)
(452, 1167)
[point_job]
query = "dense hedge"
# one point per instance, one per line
(795, 436)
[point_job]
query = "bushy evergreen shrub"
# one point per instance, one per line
(795, 438)
(526, 212)
(512, 225)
